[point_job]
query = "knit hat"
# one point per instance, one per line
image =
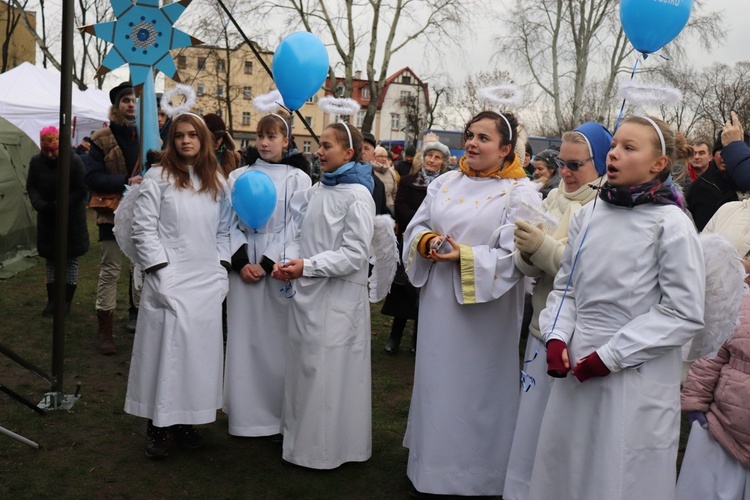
(436, 146)
(49, 139)
(548, 157)
(117, 93)
(410, 150)
(369, 138)
(215, 124)
(599, 140)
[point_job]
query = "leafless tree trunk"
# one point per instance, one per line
(92, 50)
(11, 22)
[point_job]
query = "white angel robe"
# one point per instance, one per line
(178, 353)
(466, 381)
(326, 419)
(257, 314)
(636, 297)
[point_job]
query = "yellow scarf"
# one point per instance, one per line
(509, 170)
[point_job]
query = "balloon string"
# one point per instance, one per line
(527, 381)
(622, 108)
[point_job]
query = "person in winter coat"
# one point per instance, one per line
(466, 396)
(711, 190)
(181, 235)
(582, 162)
(41, 184)
(383, 170)
(716, 397)
(113, 163)
(736, 152)
(618, 319)
(257, 310)
(224, 147)
(402, 301)
(545, 171)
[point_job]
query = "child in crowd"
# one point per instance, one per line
(181, 235)
(457, 248)
(257, 311)
(326, 417)
(629, 294)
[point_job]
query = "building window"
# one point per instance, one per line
(406, 79)
(200, 89)
(247, 92)
(405, 95)
(248, 67)
(365, 92)
(360, 117)
(201, 63)
(395, 121)
(246, 118)
(309, 120)
(220, 91)
(306, 147)
(181, 62)
(221, 66)
(340, 90)
(312, 99)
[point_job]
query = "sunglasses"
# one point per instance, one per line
(573, 165)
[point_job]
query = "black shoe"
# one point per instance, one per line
(132, 320)
(156, 441)
(391, 347)
(49, 309)
(187, 436)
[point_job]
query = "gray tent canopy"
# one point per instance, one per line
(17, 218)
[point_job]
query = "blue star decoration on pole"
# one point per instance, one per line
(142, 36)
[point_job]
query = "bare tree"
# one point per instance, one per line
(377, 29)
(563, 42)
(12, 16)
(462, 100)
(91, 49)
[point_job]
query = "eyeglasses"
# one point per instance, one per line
(572, 165)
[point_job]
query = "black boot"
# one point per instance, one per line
(397, 330)
(49, 309)
(70, 290)
(132, 320)
(414, 338)
(156, 441)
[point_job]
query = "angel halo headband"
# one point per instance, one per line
(340, 106)
(658, 131)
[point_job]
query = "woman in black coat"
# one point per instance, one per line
(403, 300)
(41, 185)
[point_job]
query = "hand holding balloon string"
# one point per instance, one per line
(289, 270)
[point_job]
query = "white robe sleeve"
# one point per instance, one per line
(354, 251)
(558, 319)
(148, 245)
(679, 314)
(223, 244)
(278, 248)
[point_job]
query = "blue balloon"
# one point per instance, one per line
(254, 198)
(300, 67)
(651, 24)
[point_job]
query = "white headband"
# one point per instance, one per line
(348, 133)
(192, 114)
(510, 130)
(286, 127)
(658, 131)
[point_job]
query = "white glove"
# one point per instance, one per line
(528, 238)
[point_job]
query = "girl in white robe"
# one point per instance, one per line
(635, 296)
(466, 380)
(181, 235)
(257, 310)
(326, 417)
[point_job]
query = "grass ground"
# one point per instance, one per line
(95, 450)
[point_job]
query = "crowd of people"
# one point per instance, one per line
(271, 324)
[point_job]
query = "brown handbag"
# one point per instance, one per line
(107, 203)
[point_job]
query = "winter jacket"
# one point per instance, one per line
(709, 191)
(390, 178)
(229, 159)
(41, 184)
(720, 388)
(732, 221)
(111, 161)
(736, 156)
(409, 197)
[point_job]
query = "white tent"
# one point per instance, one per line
(30, 100)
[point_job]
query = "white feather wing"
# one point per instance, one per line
(384, 255)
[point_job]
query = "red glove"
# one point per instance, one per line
(555, 365)
(590, 366)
